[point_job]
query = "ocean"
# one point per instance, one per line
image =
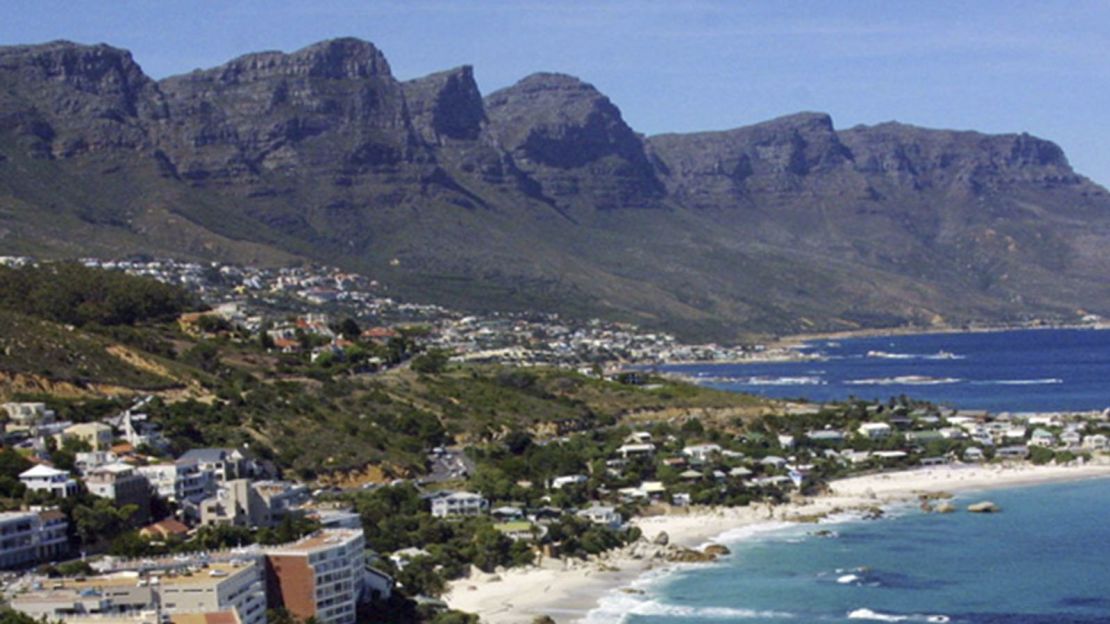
(1042, 560)
(1009, 371)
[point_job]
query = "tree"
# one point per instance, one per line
(349, 329)
(431, 363)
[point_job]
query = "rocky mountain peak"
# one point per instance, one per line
(553, 124)
(446, 104)
(103, 80)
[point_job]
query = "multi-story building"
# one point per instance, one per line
(459, 504)
(240, 502)
(97, 435)
(43, 478)
(121, 484)
(180, 587)
(28, 537)
(321, 576)
(225, 464)
(180, 481)
(28, 415)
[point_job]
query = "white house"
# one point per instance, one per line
(875, 430)
(701, 452)
(601, 514)
(42, 478)
(1095, 442)
(459, 504)
(636, 450)
(559, 483)
(1042, 437)
(786, 441)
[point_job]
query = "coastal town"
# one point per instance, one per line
(220, 537)
(201, 503)
(312, 297)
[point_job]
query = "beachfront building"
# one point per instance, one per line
(459, 504)
(1042, 437)
(43, 478)
(1095, 442)
(180, 586)
(321, 576)
(601, 514)
(29, 537)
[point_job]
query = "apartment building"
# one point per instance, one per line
(186, 587)
(180, 481)
(240, 502)
(28, 537)
(321, 576)
(121, 484)
(97, 435)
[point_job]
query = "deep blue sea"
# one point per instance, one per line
(1011, 371)
(1044, 560)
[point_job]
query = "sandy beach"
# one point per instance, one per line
(567, 590)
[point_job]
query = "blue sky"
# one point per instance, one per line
(997, 66)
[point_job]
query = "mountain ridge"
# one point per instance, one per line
(540, 195)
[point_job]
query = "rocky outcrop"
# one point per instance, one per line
(572, 140)
(63, 100)
(333, 107)
(984, 507)
(446, 105)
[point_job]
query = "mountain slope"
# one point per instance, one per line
(540, 195)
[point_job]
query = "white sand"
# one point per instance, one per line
(567, 591)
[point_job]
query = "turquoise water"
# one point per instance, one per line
(1044, 560)
(1017, 371)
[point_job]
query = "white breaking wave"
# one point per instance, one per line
(939, 355)
(614, 609)
(1019, 382)
(868, 614)
(805, 380)
(904, 380)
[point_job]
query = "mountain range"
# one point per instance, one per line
(539, 196)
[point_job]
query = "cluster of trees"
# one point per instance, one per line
(73, 294)
(291, 528)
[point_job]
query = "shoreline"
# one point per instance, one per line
(795, 340)
(568, 591)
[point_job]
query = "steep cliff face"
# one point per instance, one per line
(446, 105)
(333, 106)
(62, 100)
(572, 141)
(540, 195)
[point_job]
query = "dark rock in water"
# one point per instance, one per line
(717, 550)
(689, 555)
(873, 513)
(662, 539)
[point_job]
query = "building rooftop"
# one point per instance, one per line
(212, 574)
(321, 540)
